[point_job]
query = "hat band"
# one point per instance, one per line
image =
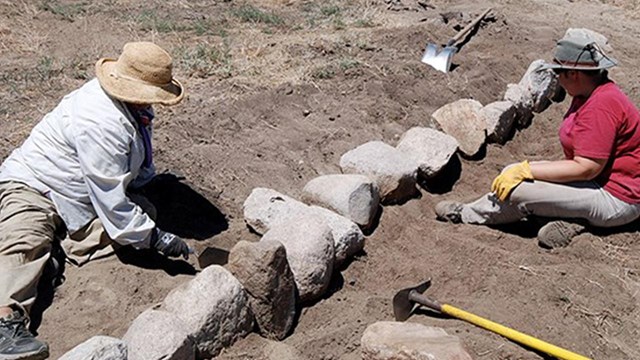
(116, 75)
(576, 63)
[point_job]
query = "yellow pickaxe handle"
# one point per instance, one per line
(512, 334)
(507, 332)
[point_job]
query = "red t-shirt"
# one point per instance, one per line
(606, 126)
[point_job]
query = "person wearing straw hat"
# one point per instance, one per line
(76, 172)
(598, 181)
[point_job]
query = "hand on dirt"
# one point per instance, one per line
(170, 244)
(511, 177)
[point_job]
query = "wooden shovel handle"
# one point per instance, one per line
(466, 29)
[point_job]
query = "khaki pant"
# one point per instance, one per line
(578, 200)
(28, 222)
(28, 227)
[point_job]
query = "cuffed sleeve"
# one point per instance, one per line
(103, 153)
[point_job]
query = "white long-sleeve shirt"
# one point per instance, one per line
(83, 155)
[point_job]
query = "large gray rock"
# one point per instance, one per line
(353, 196)
(463, 120)
(98, 348)
(214, 308)
(394, 174)
(159, 335)
(516, 95)
(348, 239)
(310, 253)
(264, 271)
(535, 91)
(500, 117)
(266, 208)
(429, 149)
(389, 340)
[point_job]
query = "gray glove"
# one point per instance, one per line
(169, 244)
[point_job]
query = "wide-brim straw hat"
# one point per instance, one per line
(141, 75)
(575, 52)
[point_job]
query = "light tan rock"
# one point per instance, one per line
(389, 340)
(264, 271)
(464, 121)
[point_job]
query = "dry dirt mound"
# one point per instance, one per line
(278, 90)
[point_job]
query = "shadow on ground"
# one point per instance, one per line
(182, 210)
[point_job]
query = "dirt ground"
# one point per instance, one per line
(277, 91)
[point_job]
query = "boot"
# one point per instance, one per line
(449, 211)
(558, 233)
(17, 343)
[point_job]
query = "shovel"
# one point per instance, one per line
(404, 301)
(441, 61)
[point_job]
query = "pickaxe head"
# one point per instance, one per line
(403, 305)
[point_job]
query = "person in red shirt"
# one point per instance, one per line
(598, 181)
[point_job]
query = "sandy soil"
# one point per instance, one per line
(353, 66)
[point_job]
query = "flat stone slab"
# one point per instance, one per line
(429, 149)
(309, 245)
(157, 334)
(214, 308)
(388, 340)
(263, 269)
(353, 196)
(463, 120)
(98, 348)
(394, 174)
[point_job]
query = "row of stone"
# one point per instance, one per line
(380, 341)
(303, 243)
(472, 124)
(195, 321)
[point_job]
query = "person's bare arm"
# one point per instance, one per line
(563, 171)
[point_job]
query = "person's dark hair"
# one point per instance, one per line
(599, 76)
(604, 73)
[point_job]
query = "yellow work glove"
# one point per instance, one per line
(504, 183)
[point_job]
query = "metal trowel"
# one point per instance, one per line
(441, 60)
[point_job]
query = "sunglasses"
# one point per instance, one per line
(560, 71)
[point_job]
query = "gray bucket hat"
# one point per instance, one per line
(579, 53)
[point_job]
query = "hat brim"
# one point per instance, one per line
(136, 92)
(605, 63)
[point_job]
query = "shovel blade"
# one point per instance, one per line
(440, 61)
